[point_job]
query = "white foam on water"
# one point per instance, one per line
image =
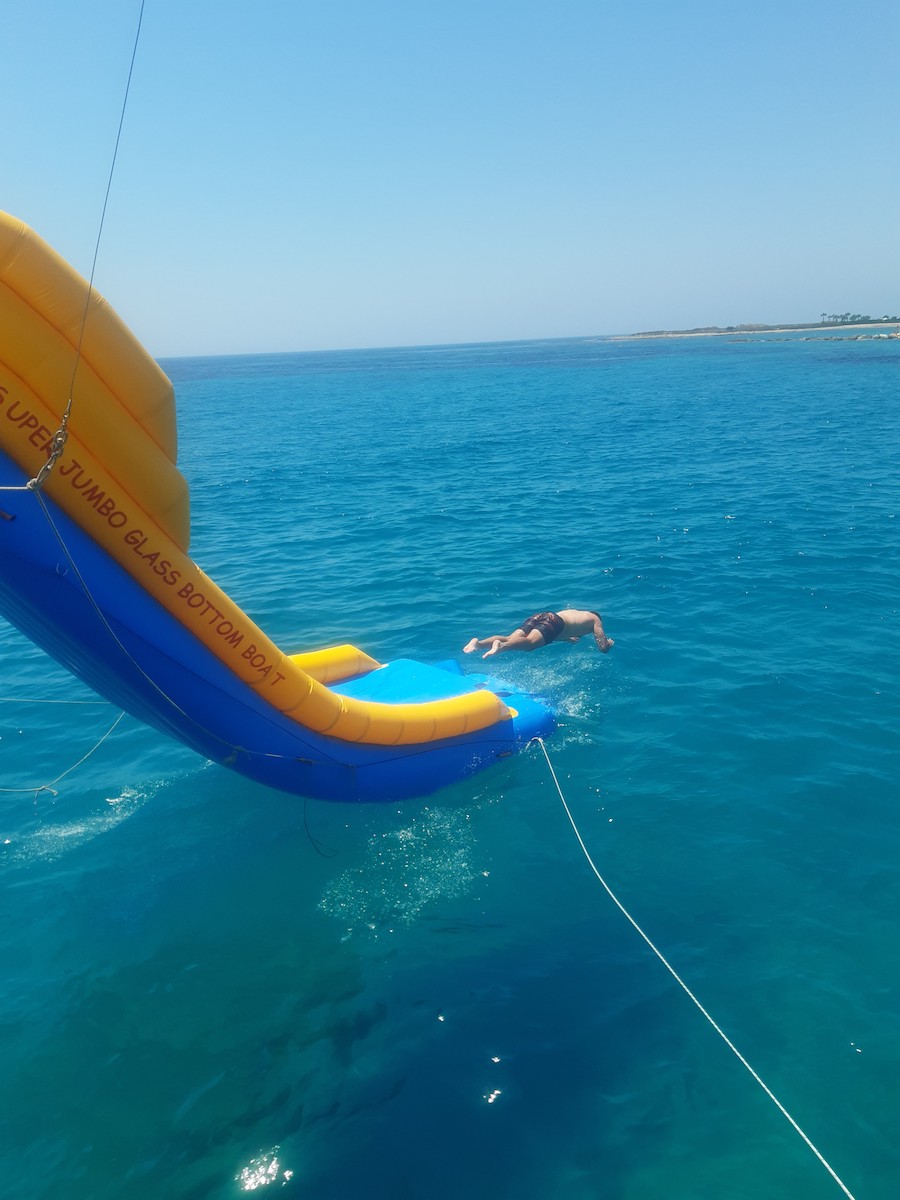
(52, 840)
(404, 870)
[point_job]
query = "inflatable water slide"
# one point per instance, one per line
(95, 568)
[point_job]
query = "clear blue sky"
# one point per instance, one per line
(297, 175)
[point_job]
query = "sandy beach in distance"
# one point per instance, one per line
(887, 328)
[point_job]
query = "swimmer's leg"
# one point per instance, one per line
(520, 640)
(479, 643)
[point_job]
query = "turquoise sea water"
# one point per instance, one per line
(208, 987)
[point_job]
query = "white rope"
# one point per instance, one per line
(48, 787)
(731, 1046)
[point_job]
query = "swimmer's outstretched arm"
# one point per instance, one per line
(603, 642)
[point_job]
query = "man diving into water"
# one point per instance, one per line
(567, 625)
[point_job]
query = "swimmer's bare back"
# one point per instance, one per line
(578, 622)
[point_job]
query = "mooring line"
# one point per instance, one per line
(48, 787)
(41, 700)
(665, 962)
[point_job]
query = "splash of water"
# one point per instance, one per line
(402, 871)
(51, 841)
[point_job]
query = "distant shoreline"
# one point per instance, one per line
(888, 328)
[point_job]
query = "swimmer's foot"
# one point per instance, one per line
(470, 646)
(493, 650)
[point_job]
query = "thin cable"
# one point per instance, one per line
(101, 616)
(58, 442)
(232, 748)
(48, 787)
(30, 700)
(112, 166)
(319, 847)
(731, 1046)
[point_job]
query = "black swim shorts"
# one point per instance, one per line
(550, 624)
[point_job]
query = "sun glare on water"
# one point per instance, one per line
(262, 1171)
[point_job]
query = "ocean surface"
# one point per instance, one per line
(209, 988)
